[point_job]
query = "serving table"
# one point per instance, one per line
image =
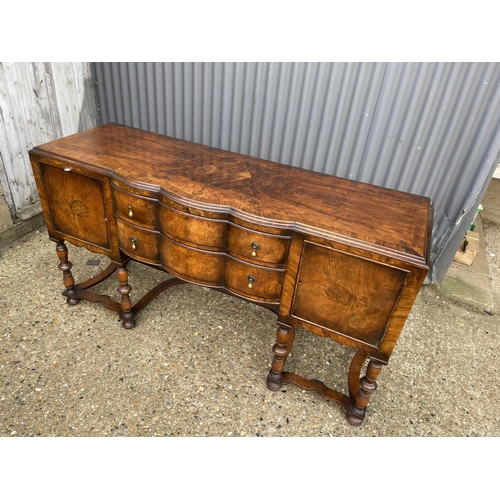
(342, 259)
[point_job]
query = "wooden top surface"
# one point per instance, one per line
(253, 188)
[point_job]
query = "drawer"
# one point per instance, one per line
(198, 266)
(136, 209)
(257, 247)
(138, 242)
(201, 232)
(254, 282)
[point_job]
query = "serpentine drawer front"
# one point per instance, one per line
(339, 258)
(199, 232)
(135, 209)
(257, 247)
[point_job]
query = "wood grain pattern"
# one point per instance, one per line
(347, 294)
(202, 232)
(77, 205)
(254, 188)
(137, 242)
(265, 283)
(257, 247)
(191, 264)
(134, 208)
(342, 259)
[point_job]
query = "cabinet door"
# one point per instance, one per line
(349, 295)
(77, 205)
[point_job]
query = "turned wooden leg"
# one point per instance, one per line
(124, 290)
(367, 386)
(281, 349)
(65, 266)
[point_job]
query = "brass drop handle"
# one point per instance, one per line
(134, 243)
(130, 213)
(255, 247)
(251, 281)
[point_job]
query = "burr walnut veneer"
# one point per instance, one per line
(342, 259)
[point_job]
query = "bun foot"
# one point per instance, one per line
(274, 381)
(355, 416)
(127, 321)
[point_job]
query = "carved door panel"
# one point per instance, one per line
(345, 293)
(77, 205)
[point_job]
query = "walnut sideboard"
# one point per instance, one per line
(344, 260)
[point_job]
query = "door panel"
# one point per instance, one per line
(76, 204)
(345, 293)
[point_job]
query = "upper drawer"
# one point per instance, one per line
(257, 247)
(135, 208)
(200, 232)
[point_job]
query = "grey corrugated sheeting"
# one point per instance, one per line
(426, 128)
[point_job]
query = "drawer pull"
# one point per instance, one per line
(130, 213)
(134, 243)
(251, 281)
(255, 247)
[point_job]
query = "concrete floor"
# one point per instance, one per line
(196, 363)
(479, 283)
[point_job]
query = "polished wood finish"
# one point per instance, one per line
(361, 292)
(257, 247)
(198, 232)
(139, 243)
(65, 266)
(134, 208)
(124, 290)
(342, 259)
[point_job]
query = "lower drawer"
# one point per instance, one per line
(198, 266)
(254, 282)
(139, 243)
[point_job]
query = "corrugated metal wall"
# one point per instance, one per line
(39, 102)
(426, 128)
